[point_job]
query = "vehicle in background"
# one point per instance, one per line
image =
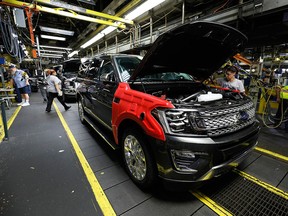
(158, 112)
(68, 71)
(34, 85)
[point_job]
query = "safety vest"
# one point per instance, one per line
(284, 92)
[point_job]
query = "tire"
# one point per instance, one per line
(81, 111)
(137, 159)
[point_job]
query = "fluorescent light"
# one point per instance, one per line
(51, 51)
(53, 37)
(92, 40)
(130, 16)
(49, 54)
(44, 56)
(88, 2)
(57, 31)
(149, 4)
(53, 47)
(75, 52)
(108, 30)
(98, 36)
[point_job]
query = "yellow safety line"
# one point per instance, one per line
(263, 184)
(14, 115)
(272, 153)
(211, 204)
(10, 121)
(96, 188)
(221, 211)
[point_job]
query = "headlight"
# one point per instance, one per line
(174, 120)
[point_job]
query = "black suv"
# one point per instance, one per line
(167, 123)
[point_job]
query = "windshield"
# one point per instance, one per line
(127, 65)
(167, 76)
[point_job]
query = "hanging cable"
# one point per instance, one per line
(10, 36)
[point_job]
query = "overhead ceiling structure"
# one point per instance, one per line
(87, 27)
(57, 24)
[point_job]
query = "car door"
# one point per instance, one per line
(88, 83)
(104, 92)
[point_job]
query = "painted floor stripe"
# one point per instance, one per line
(96, 188)
(211, 204)
(272, 153)
(9, 122)
(263, 184)
(220, 210)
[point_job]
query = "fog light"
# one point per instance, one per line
(186, 160)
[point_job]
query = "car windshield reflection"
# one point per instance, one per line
(127, 66)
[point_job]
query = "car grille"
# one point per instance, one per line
(212, 121)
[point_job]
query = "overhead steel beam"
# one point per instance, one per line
(60, 12)
(84, 10)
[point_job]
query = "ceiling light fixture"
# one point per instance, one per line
(53, 37)
(57, 31)
(149, 4)
(53, 47)
(51, 51)
(58, 57)
(98, 36)
(47, 54)
(88, 2)
(75, 52)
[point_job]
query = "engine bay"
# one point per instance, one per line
(190, 96)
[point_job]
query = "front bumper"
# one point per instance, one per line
(214, 156)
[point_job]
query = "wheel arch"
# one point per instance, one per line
(127, 123)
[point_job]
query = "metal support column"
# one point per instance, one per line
(4, 120)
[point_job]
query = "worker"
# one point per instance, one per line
(230, 81)
(21, 79)
(282, 112)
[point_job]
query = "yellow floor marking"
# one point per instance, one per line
(9, 122)
(96, 188)
(211, 204)
(219, 210)
(263, 184)
(272, 153)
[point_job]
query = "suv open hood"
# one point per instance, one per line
(197, 48)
